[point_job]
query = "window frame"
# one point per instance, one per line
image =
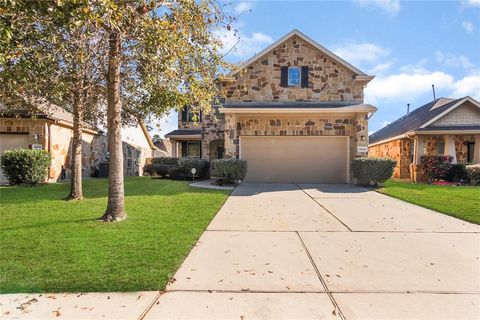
(470, 153)
(299, 79)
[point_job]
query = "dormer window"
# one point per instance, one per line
(293, 76)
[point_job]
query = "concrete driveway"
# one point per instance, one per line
(286, 251)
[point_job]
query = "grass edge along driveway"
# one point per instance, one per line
(460, 202)
(48, 244)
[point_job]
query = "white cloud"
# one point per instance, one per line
(468, 86)
(406, 87)
(247, 46)
(391, 7)
(358, 53)
(453, 60)
(472, 3)
(242, 7)
(468, 26)
(381, 67)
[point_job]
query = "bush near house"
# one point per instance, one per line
(473, 172)
(161, 166)
(25, 166)
(230, 171)
(457, 173)
(202, 166)
(372, 171)
(436, 167)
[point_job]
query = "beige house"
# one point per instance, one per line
(295, 112)
(440, 127)
(54, 132)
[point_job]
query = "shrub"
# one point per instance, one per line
(230, 171)
(436, 166)
(169, 161)
(176, 174)
(201, 165)
(473, 172)
(456, 173)
(372, 171)
(25, 166)
(157, 169)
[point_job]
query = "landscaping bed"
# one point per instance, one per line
(51, 245)
(461, 202)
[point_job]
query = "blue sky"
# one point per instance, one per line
(407, 45)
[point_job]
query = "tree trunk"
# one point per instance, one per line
(76, 192)
(116, 199)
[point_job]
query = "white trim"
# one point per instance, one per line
(353, 109)
(362, 75)
(180, 137)
(456, 105)
(348, 159)
(446, 132)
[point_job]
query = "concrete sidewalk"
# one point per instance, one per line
(287, 251)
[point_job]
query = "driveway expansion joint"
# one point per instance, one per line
(319, 275)
(315, 200)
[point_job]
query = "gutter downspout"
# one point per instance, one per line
(49, 132)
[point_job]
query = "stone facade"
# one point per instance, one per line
(402, 151)
(328, 80)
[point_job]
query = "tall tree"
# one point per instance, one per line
(52, 56)
(161, 56)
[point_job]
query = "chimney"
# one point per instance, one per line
(408, 109)
(433, 89)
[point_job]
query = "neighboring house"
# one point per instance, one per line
(53, 131)
(440, 127)
(164, 148)
(294, 111)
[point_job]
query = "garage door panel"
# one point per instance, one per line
(295, 159)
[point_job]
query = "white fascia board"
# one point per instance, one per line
(352, 109)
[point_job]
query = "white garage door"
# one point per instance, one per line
(9, 142)
(295, 159)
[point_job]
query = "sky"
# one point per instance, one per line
(407, 45)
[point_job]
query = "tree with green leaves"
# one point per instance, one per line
(162, 55)
(53, 55)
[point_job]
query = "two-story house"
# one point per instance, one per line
(294, 111)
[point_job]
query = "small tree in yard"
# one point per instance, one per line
(51, 55)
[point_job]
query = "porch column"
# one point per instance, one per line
(476, 149)
(418, 149)
(450, 147)
(174, 148)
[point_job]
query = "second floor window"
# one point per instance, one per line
(188, 115)
(293, 76)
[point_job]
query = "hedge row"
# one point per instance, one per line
(25, 166)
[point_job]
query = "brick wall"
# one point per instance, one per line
(400, 150)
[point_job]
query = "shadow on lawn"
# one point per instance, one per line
(97, 188)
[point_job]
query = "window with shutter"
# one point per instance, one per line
(304, 76)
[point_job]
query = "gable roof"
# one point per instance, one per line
(418, 119)
(360, 74)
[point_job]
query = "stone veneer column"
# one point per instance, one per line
(230, 136)
(476, 149)
(450, 147)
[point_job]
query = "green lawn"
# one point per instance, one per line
(459, 202)
(51, 245)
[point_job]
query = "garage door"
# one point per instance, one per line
(9, 142)
(295, 159)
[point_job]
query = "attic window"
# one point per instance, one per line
(293, 76)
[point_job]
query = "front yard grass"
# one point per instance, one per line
(459, 202)
(51, 245)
